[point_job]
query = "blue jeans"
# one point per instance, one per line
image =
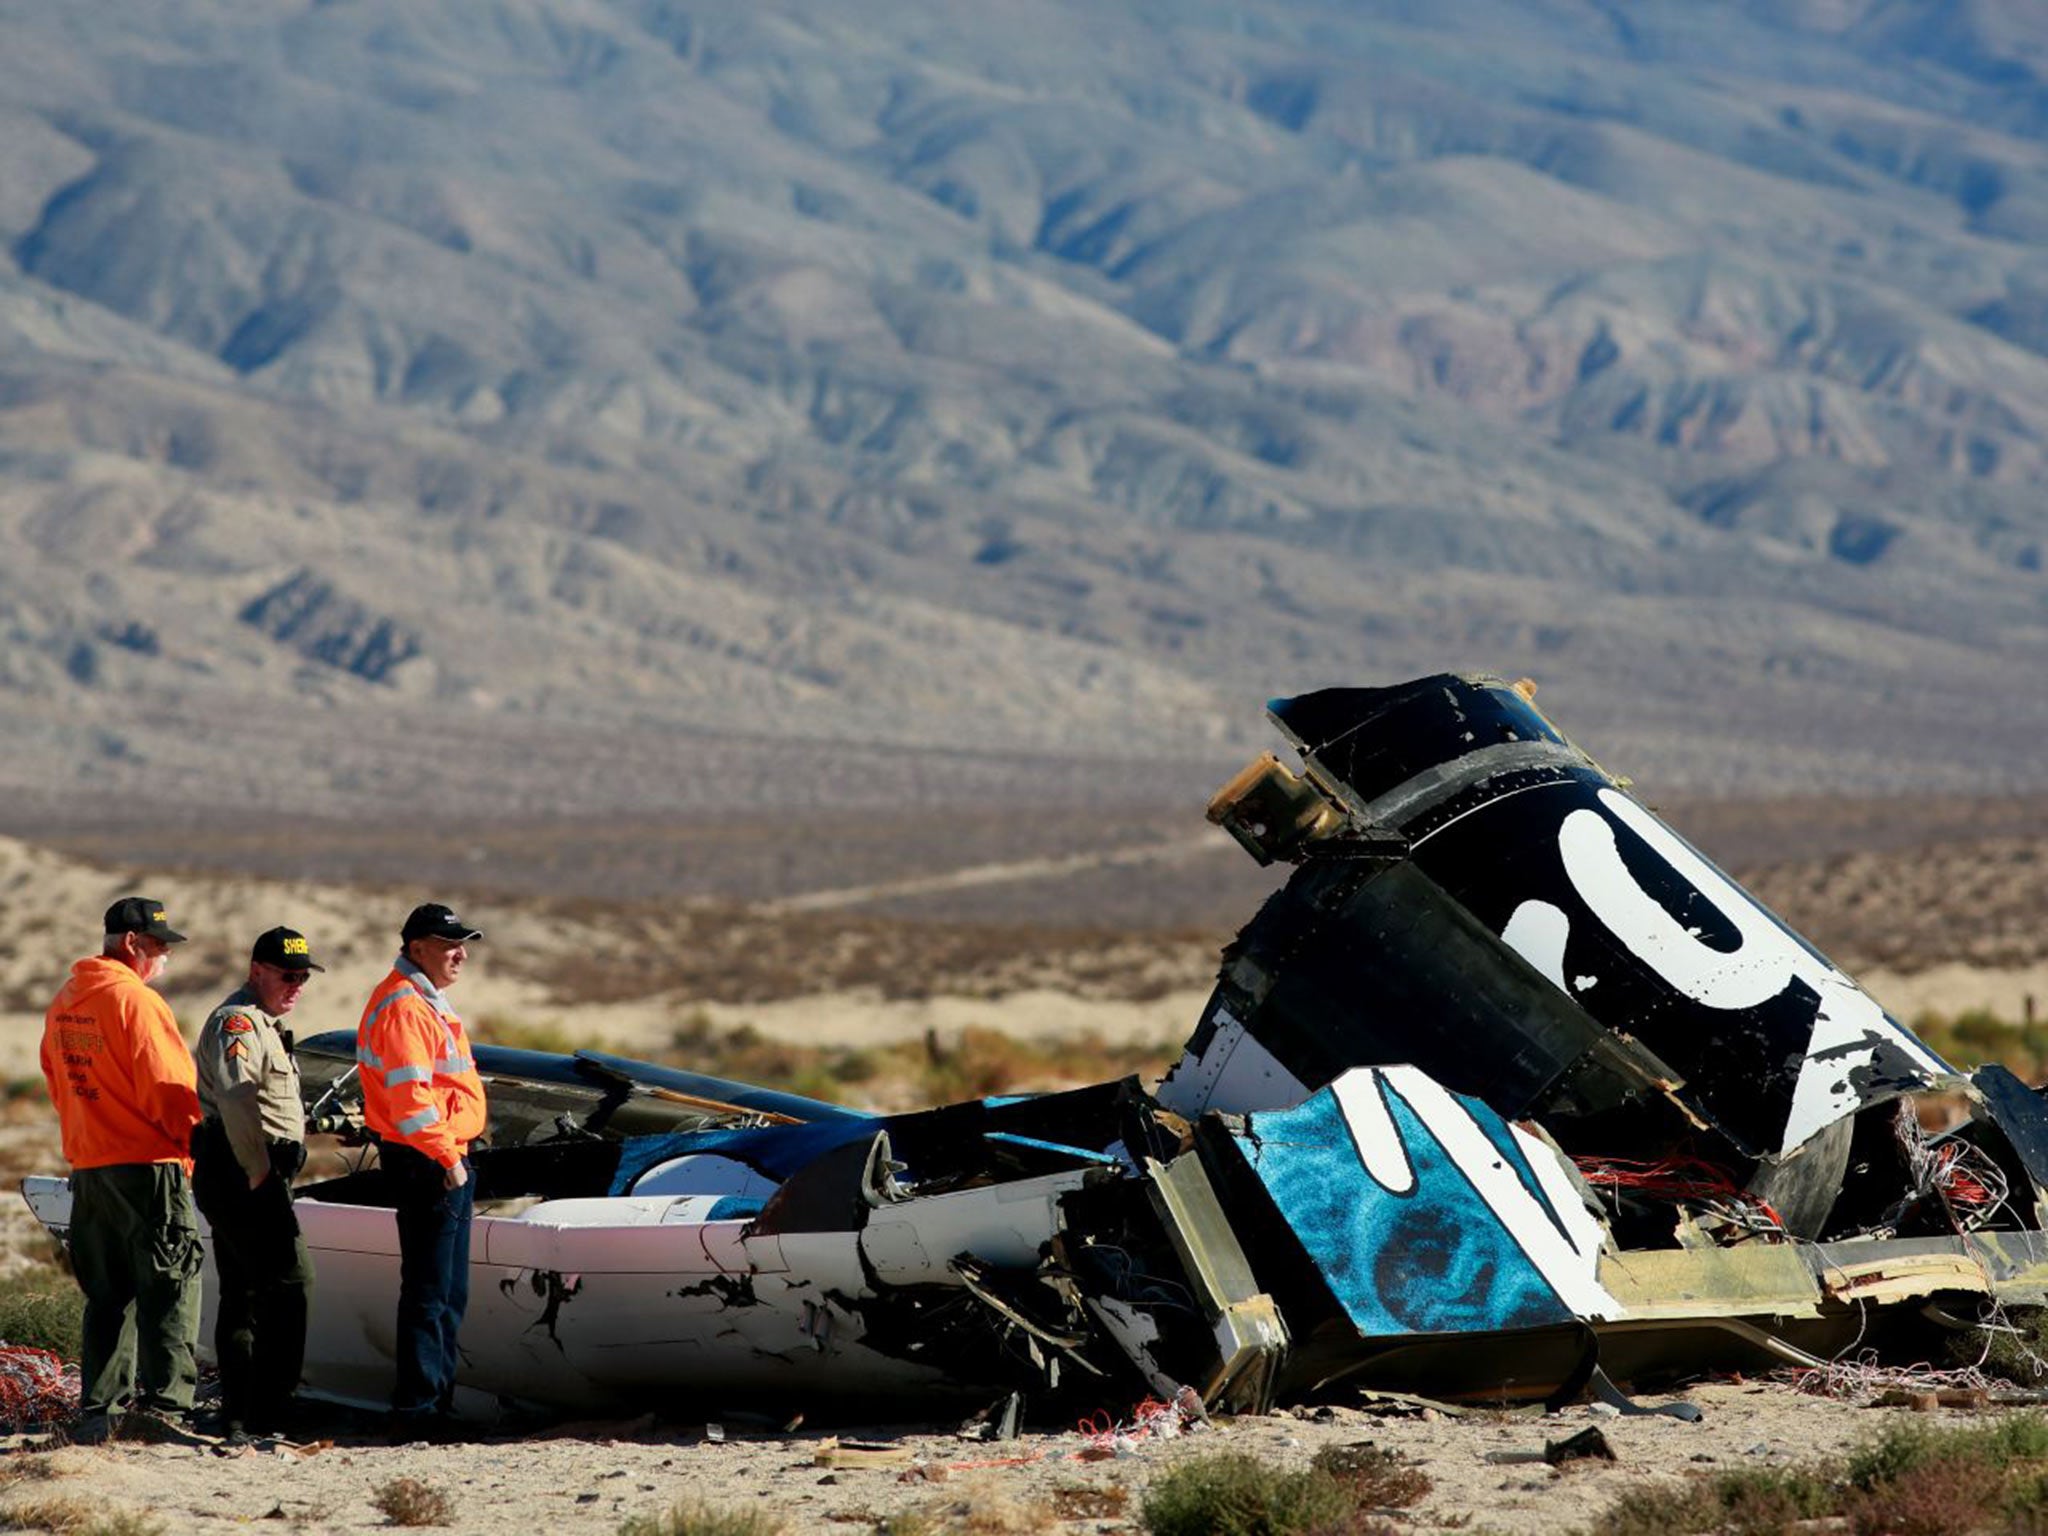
(433, 1278)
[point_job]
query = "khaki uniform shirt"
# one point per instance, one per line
(249, 1081)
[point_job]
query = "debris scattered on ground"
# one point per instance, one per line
(37, 1389)
(1586, 1445)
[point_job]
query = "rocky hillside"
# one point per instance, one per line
(540, 405)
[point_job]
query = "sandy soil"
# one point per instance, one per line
(1487, 1468)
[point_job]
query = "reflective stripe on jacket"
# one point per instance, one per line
(119, 1073)
(420, 1085)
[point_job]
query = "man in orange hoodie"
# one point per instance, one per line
(423, 1100)
(123, 1084)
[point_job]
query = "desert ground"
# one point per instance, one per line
(1487, 1470)
(1014, 934)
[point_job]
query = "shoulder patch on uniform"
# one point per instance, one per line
(238, 1024)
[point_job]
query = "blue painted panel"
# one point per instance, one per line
(1435, 1259)
(775, 1151)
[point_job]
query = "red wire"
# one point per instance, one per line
(1673, 1178)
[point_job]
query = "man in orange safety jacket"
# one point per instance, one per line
(425, 1103)
(123, 1084)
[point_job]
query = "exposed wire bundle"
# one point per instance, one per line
(1134, 1286)
(1151, 1420)
(1966, 1179)
(36, 1388)
(1969, 1181)
(1689, 1181)
(1860, 1377)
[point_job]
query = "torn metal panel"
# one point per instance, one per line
(1249, 1331)
(1423, 1211)
(1348, 966)
(1539, 909)
(1768, 1279)
(2022, 1120)
(1891, 1276)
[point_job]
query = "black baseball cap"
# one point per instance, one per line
(285, 948)
(142, 914)
(434, 921)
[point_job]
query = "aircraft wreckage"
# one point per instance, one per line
(1506, 1084)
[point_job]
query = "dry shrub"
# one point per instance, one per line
(1373, 1476)
(1750, 1501)
(1913, 1479)
(699, 1519)
(121, 1522)
(21, 1468)
(528, 1035)
(2017, 1351)
(1232, 1494)
(409, 1501)
(2016, 1440)
(1977, 1036)
(31, 1144)
(933, 1070)
(1947, 1496)
(48, 1514)
(1090, 1503)
(984, 1509)
(1663, 1509)
(42, 1307)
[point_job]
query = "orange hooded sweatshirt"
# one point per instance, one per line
(119, 1071)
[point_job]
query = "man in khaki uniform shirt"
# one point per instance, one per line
(251, 1143)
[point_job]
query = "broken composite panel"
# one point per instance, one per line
(1506, 1085)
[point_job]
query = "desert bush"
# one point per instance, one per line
(409, 1501)
(1749, 1502)
(699, 1519)
(121, 1522)
(66, 1515)
(1232, 1494)
(1911, 1479)
(1372, 1476)
(986, 1509)
(33, 1145)
(1976, 1036)
(1100, 1502)
(530, 1035)
(1942, 1496)
(2016, 1349)
(20, 1468)
(1903, 1449)
(978, 1063)
(1662, 1509)
(42, 1307)
(748, 1056)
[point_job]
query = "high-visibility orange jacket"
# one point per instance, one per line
(119, 1073)
(419, 1082)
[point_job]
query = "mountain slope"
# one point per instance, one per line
(1056, 379)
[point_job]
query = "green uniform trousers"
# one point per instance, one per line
(135, 1249)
